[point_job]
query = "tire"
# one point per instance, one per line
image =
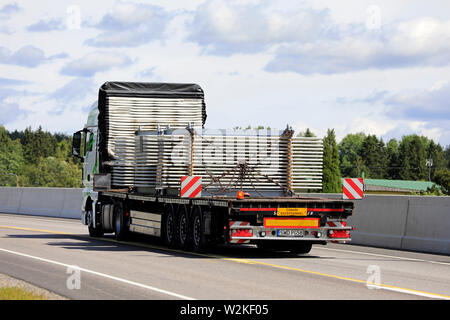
(169, 228)
(303, 247)
(120, 230)
(93, 232)
(183, 233)
(199, 241)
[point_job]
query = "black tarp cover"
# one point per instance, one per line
(142, 89)
(150, 89)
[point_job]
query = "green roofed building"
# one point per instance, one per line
(395, 186)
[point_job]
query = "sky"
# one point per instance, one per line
(378, 67)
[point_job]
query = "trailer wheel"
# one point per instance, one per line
(199, 240)
(169, 227)
(183, 228)
(302, 247)
(119, 222)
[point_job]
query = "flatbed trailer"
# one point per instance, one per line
(287, 223)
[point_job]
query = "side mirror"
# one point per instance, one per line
(76, 145)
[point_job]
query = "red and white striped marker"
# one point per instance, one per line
(336, 224)
(237, 224)
(353, 188)
(191, 187)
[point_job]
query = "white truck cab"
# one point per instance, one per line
(85, 148)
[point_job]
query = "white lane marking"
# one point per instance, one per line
(384, 256)
(417, 293)
(101, 275)
(386, 287)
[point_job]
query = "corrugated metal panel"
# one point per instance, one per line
(162, 159)
(264, 154)
(307, 158)
(125, 115)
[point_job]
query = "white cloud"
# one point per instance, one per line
(46, 25)
(95, 62)
(131, 25)
(28, 56)
(224, 27)
(338, 74)
(309, 41)
(9, 9)
(419, 42)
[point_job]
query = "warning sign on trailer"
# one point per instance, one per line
(191, 187)
(353, 188)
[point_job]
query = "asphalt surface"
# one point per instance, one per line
(58, 255)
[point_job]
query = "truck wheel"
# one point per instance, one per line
(198, 237)
(119, 222)
(169, 227)
(93, 232)
(301, 248)
(183, 228)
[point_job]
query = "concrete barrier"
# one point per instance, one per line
(379, 221)
(10, 199)
(50, 202)
(72, 203)
(417, 223)
(427, 226)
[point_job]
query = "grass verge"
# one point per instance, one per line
(17, 293)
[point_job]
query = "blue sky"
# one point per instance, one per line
(380, 67)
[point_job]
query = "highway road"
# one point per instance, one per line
(58, 255)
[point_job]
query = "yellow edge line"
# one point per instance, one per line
(36, 230)
(239, 261)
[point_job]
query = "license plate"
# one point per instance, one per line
(290, 233)
(286, 212)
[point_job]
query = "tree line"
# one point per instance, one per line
(414, 157)
(37, 158)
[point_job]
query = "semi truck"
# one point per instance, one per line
(151, 167)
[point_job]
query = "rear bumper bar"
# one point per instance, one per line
(261, 233)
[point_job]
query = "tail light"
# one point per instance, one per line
(339, 233)
(241, 233)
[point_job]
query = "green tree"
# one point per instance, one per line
(38, 144)
(308, 133)
(37, 159)
(331, 173)
(447, 156)
(52, 172)
(11, 159)
(442, 178)
(351, 163)
(436, 154)
(392, 155)
(412, 158)
(373, 154)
